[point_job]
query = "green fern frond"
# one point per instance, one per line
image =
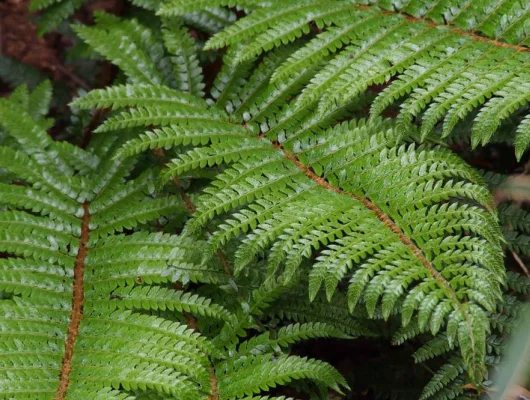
(297, 308)
(229, 79)
(54, 12)
(433, 348)
(366, 223)
(517, 282)
(15, 73)
(137, 95)
(174, 135)
(447, 374)
(287, 336)
(128, 217)
(153, 105)
(210, 20)
(88, 312)
(51, 260)
(158, 298)
(294, 333)
(430, 54)
(299, 184)
(250, 376)
(450, 379)
(174, 8)
(516, 228)
(130, 46)
(303, 227)
(183, 49)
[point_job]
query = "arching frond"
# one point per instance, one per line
(393, 245)
(93, 306)
(297, 183)
(442, 59)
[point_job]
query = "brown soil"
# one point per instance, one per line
(19, 40)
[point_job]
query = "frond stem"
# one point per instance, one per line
(77, 305)
(388, 222)
(384, 218)
(213, 384)
(461, 32)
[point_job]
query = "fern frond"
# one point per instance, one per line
(229, 79)
(15, 73)
(259, 21)
(448, 379)
(446, 374)
(210, 20)
(158, 298)
(432, 57)
(297, 308)
(522, 138)
(327, 42)
(173, 135)
(138, 95)
(154, 105)
(183, 49)
(159, 116)
(517, 282)
(250, 376)
(149, 258)
(180, 7)
(128, 217)
(29, 134)
(229, 151)
(40, 202)
(129, 45)
(419, 252)
(299, 23)
(54, 14)
(294, 333)
(506, 102)
(299, 184)
(433, 348)
(59, 274)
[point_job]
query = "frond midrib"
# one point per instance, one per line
(461, 32)
(77, 304)
(385, 219)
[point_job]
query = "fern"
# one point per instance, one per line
(289, 215)
(54, 12)
(295, 187)
(439, 65)
(447, 383)
(89, 311)
(16, 73)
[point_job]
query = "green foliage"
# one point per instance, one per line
(448, 382)
(54, 12)
(411, 227)
(440, 69)
(221, 216)
(15, 73)
(89, 303)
